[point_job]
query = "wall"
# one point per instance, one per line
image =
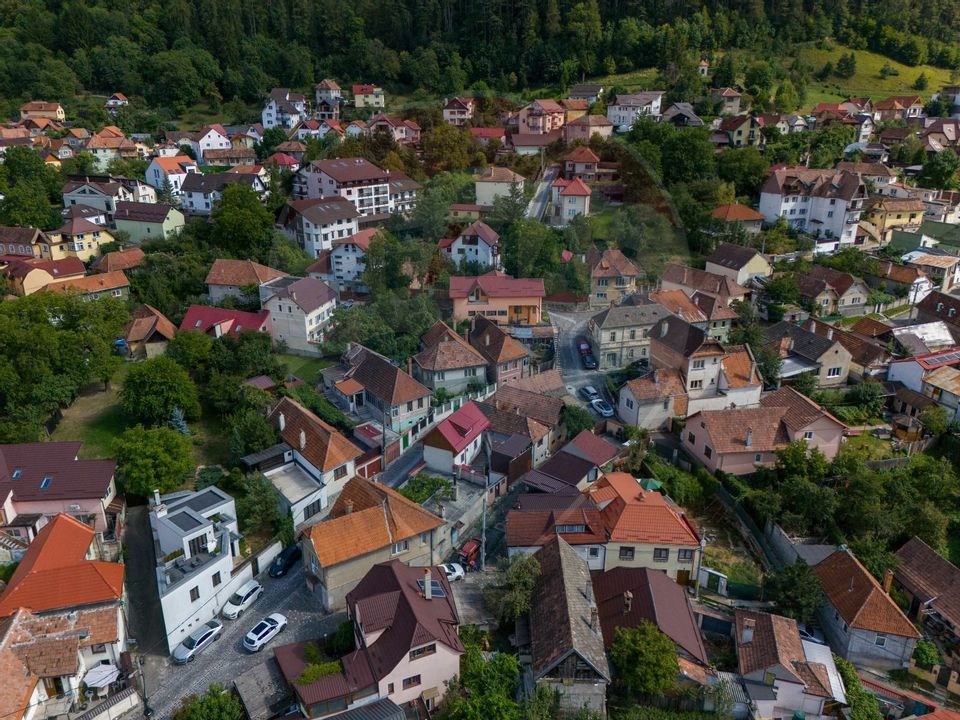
(859, 646)
(487, 192)
(594, 555)
(435, 672)
(649, 414)
(643, 558)
(908, 372)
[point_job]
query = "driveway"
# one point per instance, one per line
(143, 602)
(225, 660)
(398, 471)
(538, 203)
(571, 326)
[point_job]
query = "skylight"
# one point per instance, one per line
(17, 473)
(45, 483)
(436, 589)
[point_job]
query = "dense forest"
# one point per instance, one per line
(177, 52)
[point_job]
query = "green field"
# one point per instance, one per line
(307, 369)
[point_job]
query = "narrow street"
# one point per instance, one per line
(399, 469)
(538, 203)
(572, 325)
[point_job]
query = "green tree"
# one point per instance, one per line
(258, 507)
(269, 141)
(26, 205)
(217, 703)
(846, 65)
(151, 459)
(725, 72)
(645, 660)
(446, 147)
(940, 171)
(510, 593)
(786, 100)
(863, 704)
(934, 419)
(155, 387)
(746, 168)
(241, 225)
(921, 82)
(191, 349)
(797, 591)
(253, 430)
(576, 419)
(384, 265)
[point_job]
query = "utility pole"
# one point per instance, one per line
(483, 532)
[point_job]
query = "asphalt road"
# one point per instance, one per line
(575, 376)
(538, 203)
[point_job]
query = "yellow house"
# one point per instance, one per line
(499, 297)
(889, 214)
(77, 238)
(40, 109)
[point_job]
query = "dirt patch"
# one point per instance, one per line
(725, 551)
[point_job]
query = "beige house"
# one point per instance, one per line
(496, 182)
(77, 238)
(803, 351)
(147, 221)
(40, 109)
(541, 117)
(612, 277)
(739, 263)
(620, 335)
(368, 524)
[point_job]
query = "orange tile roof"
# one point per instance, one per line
(54, 573)
(678, 303)
(582, 154)
(172, 163)
(739, 367)
(858, 597)
(366, 517)
(240, 273)
(632, 514)
(119, 260)
(317, 441)
(100, 282)
(736, 213)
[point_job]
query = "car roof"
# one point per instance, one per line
(202, 630)
(247, 587)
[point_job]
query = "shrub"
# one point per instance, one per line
(423, 486)
(315, 671)
(342, 640)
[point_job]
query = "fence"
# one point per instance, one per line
(751, 534)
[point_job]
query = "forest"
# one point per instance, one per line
(176, 53)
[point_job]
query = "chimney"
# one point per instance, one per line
(410, 366)
(283, 422)
(746, 635)
(830, 334)
(594, 620)
(627, 602)
(749, 441)
(348, 507)
(427, 586)
(588, 591)
(156, 497)
(813, 326)
(303, 439)
(887, 581)
(663, 329)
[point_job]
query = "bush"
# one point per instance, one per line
(342, 641)
(321, 407)
(863, 705)
(316, 671)
(423, 486)
(925, 654)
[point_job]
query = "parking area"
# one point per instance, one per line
(223, 661)
(468, 594)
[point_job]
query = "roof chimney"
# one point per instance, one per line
(663, 329)
(283, 422)
(749, 441)
(410, 366)
(594, 620)
(156, 497)
(348, 507)
(303, 439)
(627, 602)
(427, 585)
(813, 326)
(746, 635)
(887, 580)
(830, 334)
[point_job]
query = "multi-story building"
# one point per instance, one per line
(354, 179)
(620, 335)
(624, 111)
(169, 171)
(503, 299)
(496, 182)
(368, 96)
(315, 224)
(347, 260)
(458, 111)
(613, 277)
(328, 98)
(283, 109)
(233, 278)
(507, 360)
(300, 310)
(77, 238)
(448, 361)
(477, 243)
(200, 193)
(541, 117)
(147, 221)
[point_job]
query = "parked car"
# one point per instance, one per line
(283, 562)
(470, 552)
(589, 393)
(583, 347)
(454, 571)
(264, 631)
(243, 598)
(602, 408)
(196, 641)
(589, 361)
(808, 632)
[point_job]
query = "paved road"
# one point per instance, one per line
(572, 326)
(538, 203)
(398, 471)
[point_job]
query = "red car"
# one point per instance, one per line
(583, 346)
(470, 552)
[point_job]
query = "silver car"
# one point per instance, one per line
(243, 598)
(264, 631)
(602, 408)
(197, 641)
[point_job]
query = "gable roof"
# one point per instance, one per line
(144, 322)
(560, 613)
(730, 429)
(542, 408)
(862, 351)
(870, 327)
(732, 256)
(633, 514)
(802, 342)
(678, 303)
(309, 293)
(946, 307)
(142, 212)
(176, 164)
(858, 597)
(826, 183)
(611, 263)
(536, 527)
(703, 281)
(458, 430)
(658, 385)
(444, 349)
(930, 578)
(735, 212)
(776, 641)
(623, 316)
(239, 273)
(592, 447)
(322, 444)
(101, 282)
(119, 260)
(508, 422)
(839, 281)
(380, 377)
(801, 411)
(546, 382)
(480, 229)
(493, 342)
(681, 336)
(54, 573)
(582, 154)
(496, 284)
(497, 174)
(367, 516)
(204, 317)
(572, 188)
(351, 170)
(25, 466)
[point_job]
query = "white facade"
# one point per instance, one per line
(212, 139)
(907, 371)
(834, 220)
(372, 197)
(156, 174)
(347, 263)
(282, 113)
(473, 249)
(593, 555)
(301, 331)
(305, 491)
(444, 461)
(487, 191)
(626, 114)
(314, 238)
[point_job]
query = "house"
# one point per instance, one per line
(867, 358)
(283, 109)
(533, 143)
(354, 179)
(824, 203)
(118, 260)
(738, 215)
(235, 278)
(366, 379)
(507, 361)
(365, 96)
(889, 214)
(860, 620)
(315, 224)
(485, 135)
(714, 375)
(681, 114)
(477, 243)
(92, 287)
(402, 193)
(328, 96)
(943, 386)
(899, 107)
(404, 132)
(406, 648)
(106, 148)
(729, 99)
(541, 117)
(507, 300)
(542, 410)
(931, 585)
(458, 111)
(737, 440)
(147, 221)
(912, 371)
(147, 333)
(496, 182)
(212, 146)
(231, 157)
(167, 173)
(564, 473)
(943, 270)
(22, 241)
(116, 101)
(217, 321)
(940, 306)
(833, 292)
(738, 262)
(312, 464)
(29, 275)
(693, 281)
(40, 109)
(645, 529)
(620, 335)
(513, 441)
(740, 131)
(893, 277)
(581, 162)
(368, 524)
(301, 310)
(590, 92)
(625, 109)
(448, 361)
(561, 647)
(532, 524)
(546, 382)
(784, 675)
(653, 400)
(200, 193)
(613, 276)
(455, 441)
(103, 192)
(570, 198)
(347, 259)
(804, 351)
(196, 544)
(77, 238)
(585, 127)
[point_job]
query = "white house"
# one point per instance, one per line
(348, 259)
(478, 243)
(200, 193)
(283, 109)
(315, 224)
(496, 182)
(402, 194)
(116, 101)
(824, 203)
(455, 441)
(458, 111)
(625, 110)
(354, 179)
(301, 309)
(172, 169)
(100, 192)
(212, 137)
(328, 97)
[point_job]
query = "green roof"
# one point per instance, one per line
(904, 242)
(942, 232)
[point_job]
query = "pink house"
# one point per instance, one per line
(219, 321)
(541, 117)
(500, 297)
(405, 627)
(737, 440)
(456, 440)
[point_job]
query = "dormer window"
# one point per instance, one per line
(45, 483)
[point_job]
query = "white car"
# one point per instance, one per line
(453, 571)
(264, 631)
(243, 598)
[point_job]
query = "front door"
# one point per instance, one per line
(683, 577)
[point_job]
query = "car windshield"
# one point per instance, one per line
(261, 627)
(236, 599)
(190, 643)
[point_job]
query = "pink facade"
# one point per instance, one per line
(79, 509)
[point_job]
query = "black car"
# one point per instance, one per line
(287, 558)
(589, 361)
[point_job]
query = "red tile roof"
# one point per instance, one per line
(593, 448)
(632, 514)
(457, 431)
(317, 441)
(240, 272)
(736, 213)
(119, 260)
(534, 528)
(582, 154)
(102, 282)
(497, 284)
(204, 318)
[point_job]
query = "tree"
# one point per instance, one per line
(26, 205)
(258, 507)
(191, 350)
(155, 387)
(151, 459)
(252, 430)
(384, 265)
(217, 703)
(940, 171)
(921, 82)
(786, 99)
(846, 65)
(576, 419)
(268, 143)
(510, 594)
(934, 419)
(446, 147)
(797, 591)
(863, 704)
(241, 225)
(746, 168)
(645, 660)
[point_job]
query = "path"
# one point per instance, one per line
(538, 203)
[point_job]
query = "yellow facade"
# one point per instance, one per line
(82, 245)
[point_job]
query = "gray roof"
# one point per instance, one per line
(639, 99)
(732, 256)
(678, 335)
(142, 212)
(805, 343)
(630, 316)
(384, 709)
(263, 690)
(307, 293)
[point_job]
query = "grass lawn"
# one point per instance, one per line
(873, 448)
(866, 81)
(634, 80)
(306, 368)
(95, 418)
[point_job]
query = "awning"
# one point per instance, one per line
(100, 676)
(430, 694)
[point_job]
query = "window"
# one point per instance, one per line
(629, 403)
(698, 364)
(593, 552)
(833, 372)
(424, 537)
(340, 472)
(758, 457)
(633, 334)
(97, 649)
(430, 649)
(613, 337)
(881, 640)
(45, 483)
(685, 555)
(707, 451)
(626, 553)
(661, 554)
(691, 438)
(411, 682)
(17, 473)
(312, 509)
(571, 528)
(808, 435)
(401, 547)
(410, 406)
(696, 384)
(389, 688)
(216, 579)
(194, 594)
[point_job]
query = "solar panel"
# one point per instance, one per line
(436, 589)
